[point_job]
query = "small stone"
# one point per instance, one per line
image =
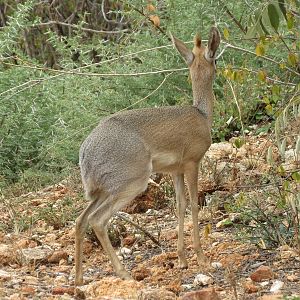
(6, 255)
(28, 290)
(204, 294)
(224, 223)
(250, 288)
(63, 290)
(276, 286)
(217, 265)
(60, 280)
(125, 251)
(33, 255)
(153, 294)
(292, 278)
(57, 256)
(271, 297)
(262, 273)
(129, 240)
(141, 273)
(4, 276)
(202, 279)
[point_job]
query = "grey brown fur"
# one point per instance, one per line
(120, 154)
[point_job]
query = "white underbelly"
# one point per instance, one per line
(165, 162)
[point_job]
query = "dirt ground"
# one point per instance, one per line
(37, 240)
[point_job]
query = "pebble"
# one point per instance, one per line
(276, 286)
(202, 279)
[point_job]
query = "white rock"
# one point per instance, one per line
(276, 286)
(125, 251)
(264, 283)
(33, 255)
(217, 265)
(224, 223)
(202, 279)
(4, 276)
(187, 287)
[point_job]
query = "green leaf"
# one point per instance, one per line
(281, 5)
(290, 21)
(251, 32)
(296, 176)
(273, 16)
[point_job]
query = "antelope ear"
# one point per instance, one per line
(213, 44)
(185, 52)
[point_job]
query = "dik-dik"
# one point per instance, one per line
(120, 154)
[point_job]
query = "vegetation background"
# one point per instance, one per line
(66, 64)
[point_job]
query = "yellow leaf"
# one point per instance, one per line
(282, 66)
(155, 20)
(260, 50)
(226, 34)
(207, 230)
(262, 75)
(292, 59)
(151, 7)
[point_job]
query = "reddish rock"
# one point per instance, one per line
(6, 255)
(28, 290)
(128, 241)
(63, 290)
(141, 273)
(58, 255)
(271, 297)
(262, 273)
(250, 288)
(155, 294)
(204, 294)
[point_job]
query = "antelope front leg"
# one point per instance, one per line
(192, 182)
(181, 208)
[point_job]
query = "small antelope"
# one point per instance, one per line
(120, 154)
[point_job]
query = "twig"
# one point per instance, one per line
(238, 107)
(147, 233)
(105, 17)
(97, 74)
(78, 27)
(238, 23)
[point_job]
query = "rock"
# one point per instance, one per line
(141, 273)
(28, 290)
(156, 294)
(204, 294)
(219, 150)
(34, 255)
(127, 289)
(128, 240)
(292, 278)
(276, 286)
(125, 251)
(56, 256)
(271, 297)
(63, 290)
(262, 273)
(224, 223)
(202, 279)
(250, 288)
(217, 265)
(4, 276)
(60, 280)
(6, 255)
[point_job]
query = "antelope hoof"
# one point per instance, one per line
(124, 275)
(183, 264)
(78, 281)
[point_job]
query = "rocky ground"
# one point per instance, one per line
(37, 239)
